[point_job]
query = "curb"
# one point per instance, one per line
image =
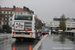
(39, 43)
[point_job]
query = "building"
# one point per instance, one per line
(57, 19)
(70, 23)
(8, 12)
(54, 25)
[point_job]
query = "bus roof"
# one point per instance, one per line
(23, 15)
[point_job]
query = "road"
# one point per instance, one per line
(57, 42)
(8, 43)
(51, 42)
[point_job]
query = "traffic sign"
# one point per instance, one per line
(46, 27)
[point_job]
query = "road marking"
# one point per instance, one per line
(39, 43)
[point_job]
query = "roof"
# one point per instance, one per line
(18, 9)
(23, 15)
(38, 19)
(6, 9)
(10, 9)
(15, 9)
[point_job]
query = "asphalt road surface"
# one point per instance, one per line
(8, 43)
(57, 42)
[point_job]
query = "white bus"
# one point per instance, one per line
(26, 26)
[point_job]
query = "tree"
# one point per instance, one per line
(1, 16)
(6, 28)
(62, 23)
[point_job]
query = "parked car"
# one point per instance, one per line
(45, 32)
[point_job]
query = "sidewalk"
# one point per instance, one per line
(4, 36)
(5, 33)
(56, 42)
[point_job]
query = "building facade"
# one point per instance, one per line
(54, 25)
(8, 12)
(70, 23)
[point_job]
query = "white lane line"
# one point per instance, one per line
(39, 43)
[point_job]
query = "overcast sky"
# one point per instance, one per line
(46, 10)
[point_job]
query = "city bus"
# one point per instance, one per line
(26, 26)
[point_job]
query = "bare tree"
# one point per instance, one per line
(1, 16)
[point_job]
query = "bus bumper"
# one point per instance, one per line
(22, 36)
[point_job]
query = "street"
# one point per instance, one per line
(51, 42)
(37, 24)
(8, 43)
(57, 42)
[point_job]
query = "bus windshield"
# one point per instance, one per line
(23, 17)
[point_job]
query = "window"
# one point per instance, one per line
(11, 12)
(4, 18)
(7, 11)
(7, 18)
(11, 19)
(7, 23)
(0, 23)
(38, 23)
(0, 11)
(23, 17)
(4, 23)
(73, 23)
(55, 25)
(4, 11)
(21, 12)
(18, 12)
(51, 23)
(68, 23)
(11, 15)
(10, 23)
(7, 15)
